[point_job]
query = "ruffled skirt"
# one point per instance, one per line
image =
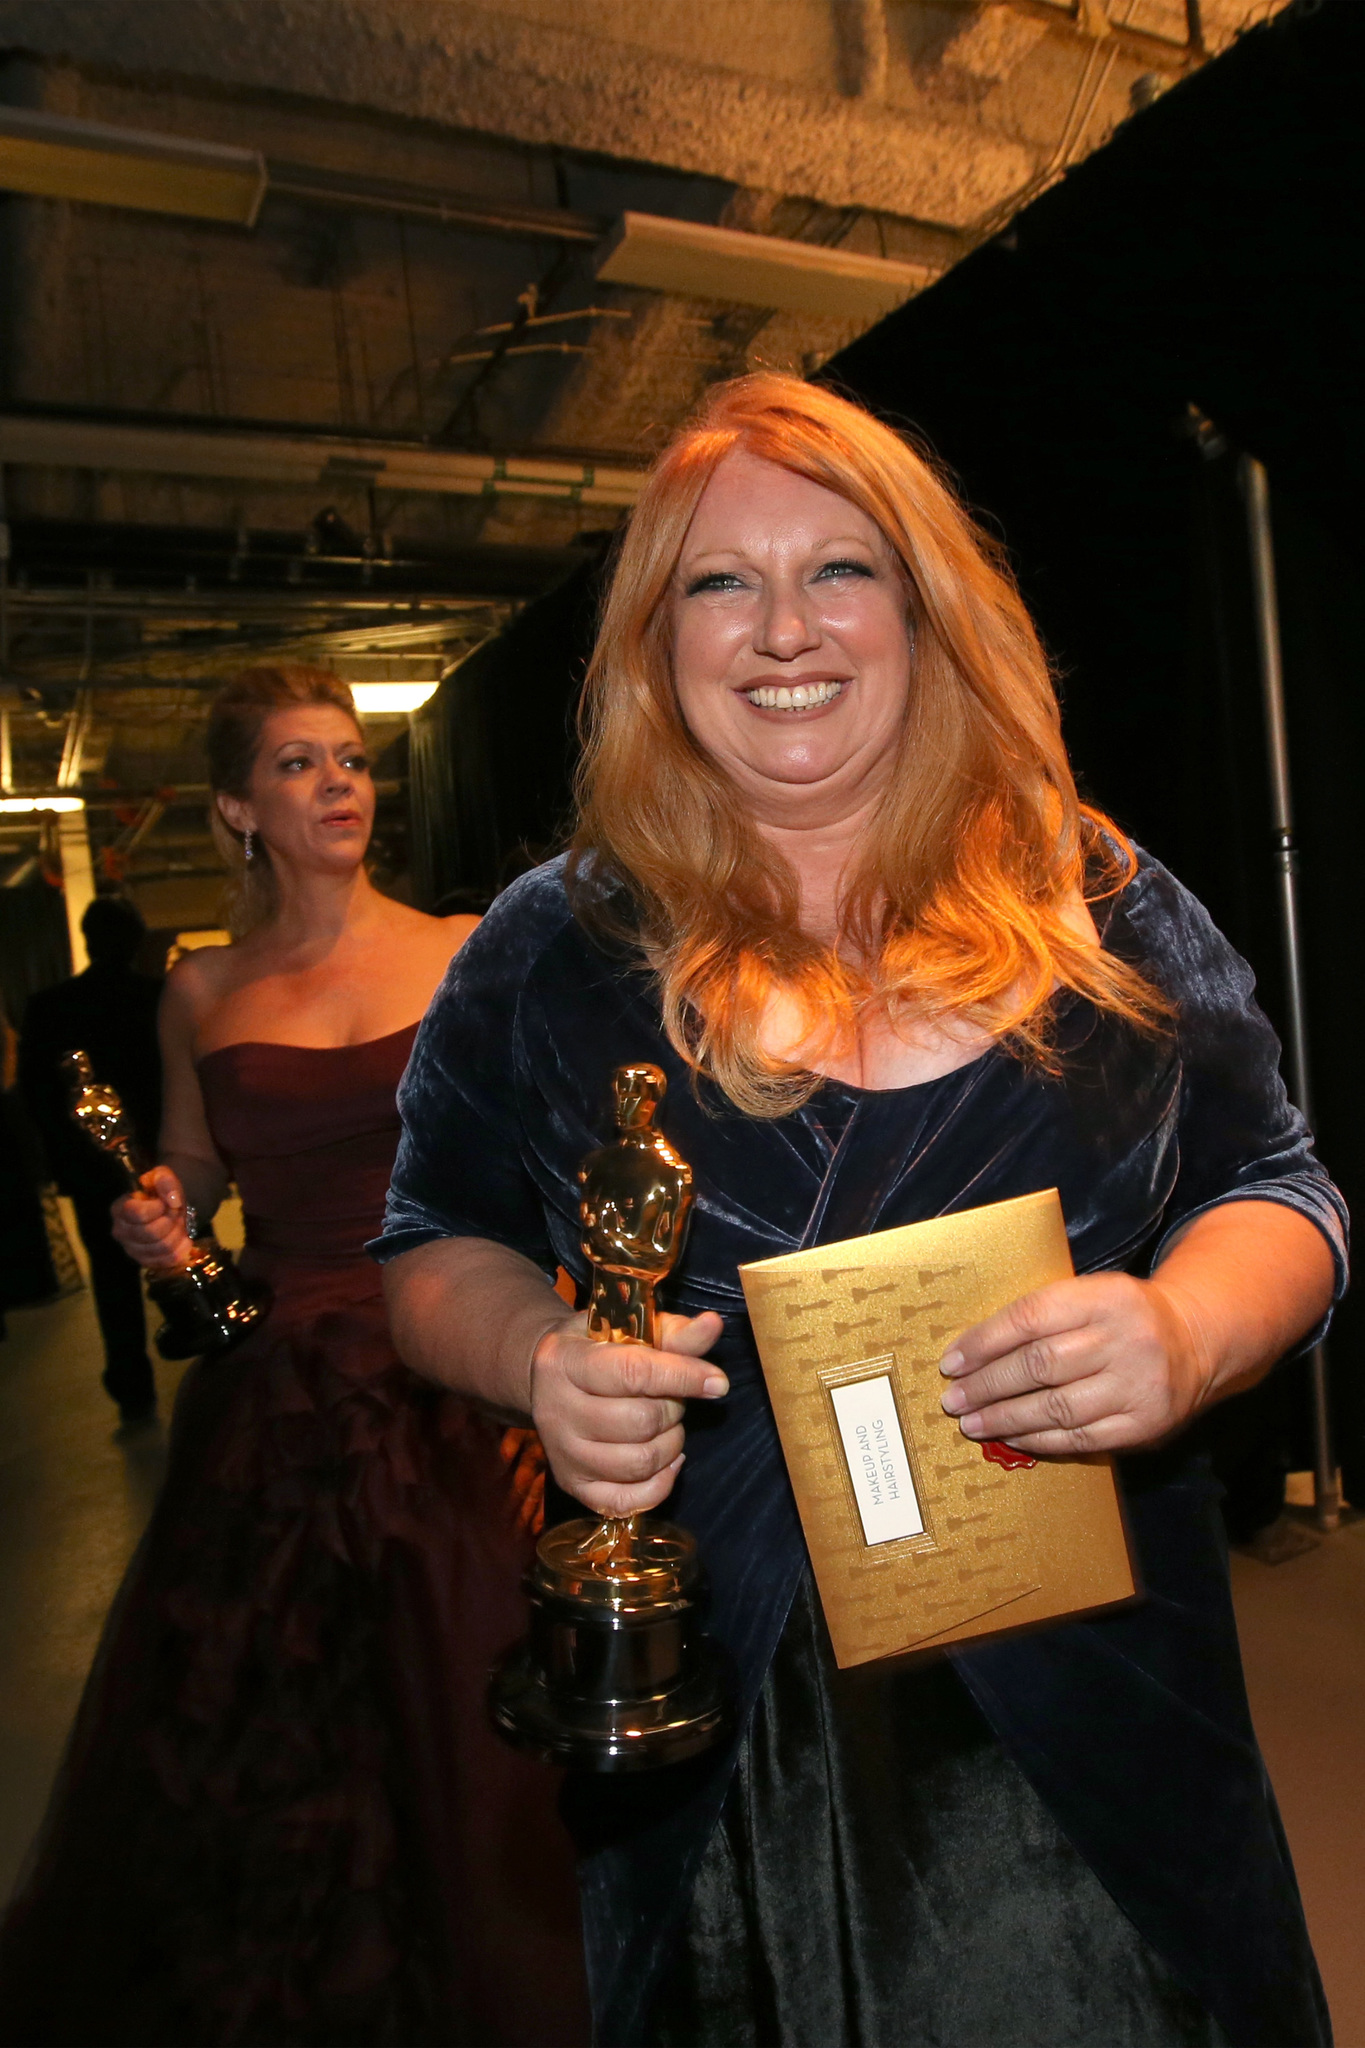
(283, 1817)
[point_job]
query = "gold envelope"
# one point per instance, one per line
(915, 1538)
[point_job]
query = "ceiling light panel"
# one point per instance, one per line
(53, 157)
(378, 698)
(695, 261)
(19, 805)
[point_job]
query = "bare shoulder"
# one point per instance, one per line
(438, 939)
(195, 986)
(200, 979)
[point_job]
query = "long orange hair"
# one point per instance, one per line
(979, 844)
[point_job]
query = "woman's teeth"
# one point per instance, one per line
(801, 697)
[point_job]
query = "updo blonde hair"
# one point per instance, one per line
(237, 719)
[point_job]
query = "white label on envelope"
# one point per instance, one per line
(878, 1463)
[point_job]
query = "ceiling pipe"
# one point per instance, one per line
(1085, 21)
(443, 209)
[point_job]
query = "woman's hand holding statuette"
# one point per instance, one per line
(150, 1225)
(610, 1415)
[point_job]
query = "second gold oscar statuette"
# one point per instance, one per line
(208, 1306)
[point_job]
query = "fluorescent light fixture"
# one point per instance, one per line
(18, 805)
(56, 443)
(393, 697)
(696, 261)
(52, 156)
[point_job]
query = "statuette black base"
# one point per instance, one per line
(208, 1306)
(615, 1675)
(610, 1735)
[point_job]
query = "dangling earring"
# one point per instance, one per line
(247, 851)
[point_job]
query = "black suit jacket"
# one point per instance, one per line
(109, 1013)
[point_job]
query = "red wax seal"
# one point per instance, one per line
(996, 1453)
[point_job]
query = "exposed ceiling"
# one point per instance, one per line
(301, 436)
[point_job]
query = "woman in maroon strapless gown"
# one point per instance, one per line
(284, 1817)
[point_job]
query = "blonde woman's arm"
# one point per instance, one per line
(151, 1225)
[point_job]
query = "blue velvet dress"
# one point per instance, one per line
(1067, 1836)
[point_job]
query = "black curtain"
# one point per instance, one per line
(1211, 257)
(35, 950)
(491, 754)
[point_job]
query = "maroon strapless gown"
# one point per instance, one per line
(284, 1817)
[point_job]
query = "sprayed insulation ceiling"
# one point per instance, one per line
(419, 286)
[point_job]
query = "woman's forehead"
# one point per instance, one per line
(747, 498)
(325, 724)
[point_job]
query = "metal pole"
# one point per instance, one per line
(4, 578)
(6, 756)
(1256, 495)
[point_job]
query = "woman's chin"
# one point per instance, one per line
(797, 766)
(341, 857)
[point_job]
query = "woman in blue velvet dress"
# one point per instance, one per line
(832, 875)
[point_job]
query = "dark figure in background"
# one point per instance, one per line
(109, 1011)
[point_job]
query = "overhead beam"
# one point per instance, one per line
(49, 441)
(273, 566)
(169, 794)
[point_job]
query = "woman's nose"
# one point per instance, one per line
(787, 624)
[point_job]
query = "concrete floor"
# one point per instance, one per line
(1302, 1626)
(75, 1493)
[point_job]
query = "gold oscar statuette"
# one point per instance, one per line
(208, 1306)
(615, 1675)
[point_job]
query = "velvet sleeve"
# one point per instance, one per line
(1240, 1137)
(460, 1169)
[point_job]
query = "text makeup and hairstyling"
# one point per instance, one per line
(237, 719)
(979, 842)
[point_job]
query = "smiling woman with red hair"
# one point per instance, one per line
(963, 898)
(831, 874)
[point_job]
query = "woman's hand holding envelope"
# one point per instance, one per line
(1107, 1362)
